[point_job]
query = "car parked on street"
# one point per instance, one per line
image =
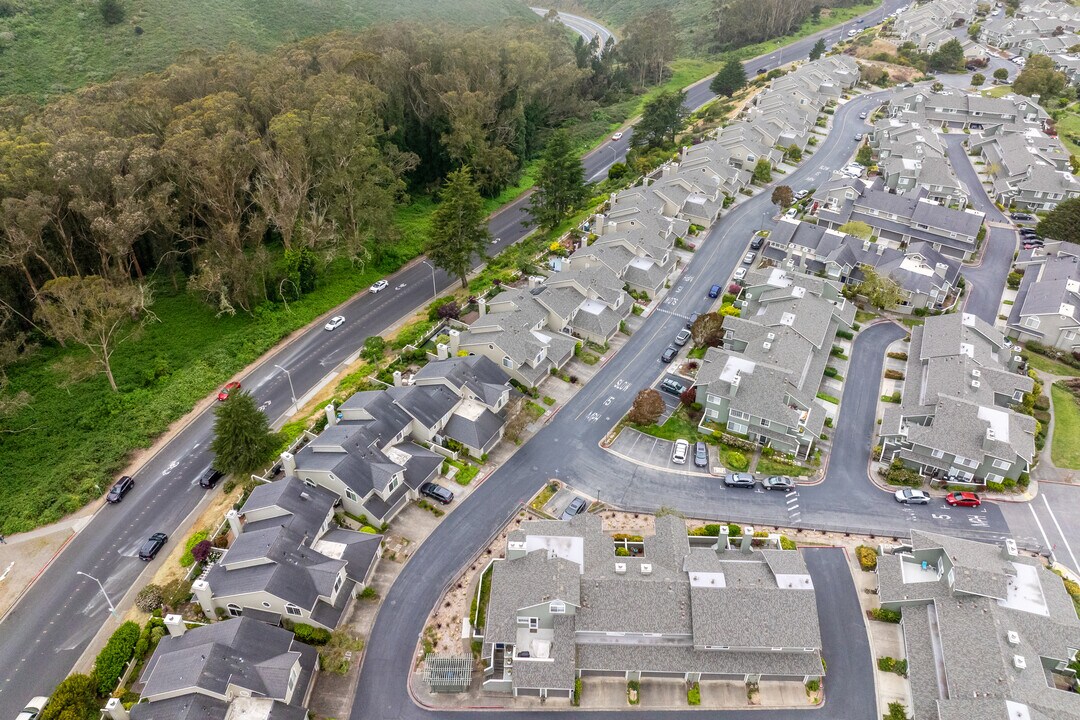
(577, 506)
(669, 354)
(778, 482)
(714, 291)
(858, 137)
(907, 496)
(799, 195)
(792, 213)
(679, 452)
(739, 274)
(762, 70)
(223, 394)
(757, 242)
(209, 476)
(749, 258)
(701, 454)
(672, 386)
(1022, 217)
(152, 546)
(335, 322)
(33, 708)
(682, 337)
(862, 115)
(691, 320)
(963, 499)
(119, 489)
(743, 480)
(378, 286)
(437, 493)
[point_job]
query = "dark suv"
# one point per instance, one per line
(120, 489)
(152, 546)
(437, 493)
(209, 477)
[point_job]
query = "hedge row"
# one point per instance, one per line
(110, 662)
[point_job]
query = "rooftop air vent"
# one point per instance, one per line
(1014, 637)
(975, 384)
(1019, 662)
(620, 568)
(646, 569)
(976, 372)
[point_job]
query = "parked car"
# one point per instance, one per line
(617, 136)
(682, 337)
(853, 32)
(379, 286)
(749, 258)
(152, 546)
(907, 496)
(762, 70)
(739, 274)
(680, 451)
(223, 395)
(792, 213)
(693, 319)
(669, 354)
(801, 194)
(209, 476)
(757, 242)
(119, 489)
(577, 506)
(1029, 233)
(1033, 245)
(1022, 217)
(33, 708)
(858, 137)
(963, 499)
(672, 387)
(778, 482)
(714, 291)
(743, 480)
(437, 493)
(862, 115)
(335, 322)
(701, 454)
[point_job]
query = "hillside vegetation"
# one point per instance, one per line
(51, 46)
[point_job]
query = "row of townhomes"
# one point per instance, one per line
(911, 156)
(532, 331)
(955, 421)
(564, 605)
(762, 382)
(930, 25)
(988, 633)
(899, 219)
(1047, 305)
(1039, 27)
(927, 278)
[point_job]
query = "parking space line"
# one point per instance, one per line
(1075, 566)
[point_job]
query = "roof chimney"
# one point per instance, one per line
(205, 597)
(481, 306)
(747, 539)
(443, 351)
(1008, 551)
(115, 709)
(288, 464)
(397, 378)
(235, 526)
(722, 539)
(175, 625)
(331, 415)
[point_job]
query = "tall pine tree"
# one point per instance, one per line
(458, 226)
(560, 183)
(242, 442)
(661, 120)
(818, 50)
(730, 79)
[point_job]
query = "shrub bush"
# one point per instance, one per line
(149, 598)
(812, 686)
(867, 557)
(310, 635)
(735, 460)
(110, 662)
(890, 664)
(894, 374)
(693, 694)
(187, 560)
(201, 551)
(845, 334)
(176, 592)
(884, 615)
(75, 698)
(898, 356)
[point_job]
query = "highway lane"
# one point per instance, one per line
(586, 28)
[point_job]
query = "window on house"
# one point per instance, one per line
(737, 428)
(393, 485)
(1031, 322)
(1018, 395)
(1001, 464)
(266, 604)
(557, 608)
(507, 362)
(337, 584)
(292, 609)
(738, 415)
(764, 423)
(937, 453)
(349, 493)
(234, 610)
(991, 477)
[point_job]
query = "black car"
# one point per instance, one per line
(701, 454)
(742, 480)
(1023, 217)
(437, 493)
(757, 242)
(669, 354)
(691, 321)
(576, 507)
(762, 70)
(120, 489)
(672, 387)
(208, 478)
(152, 546)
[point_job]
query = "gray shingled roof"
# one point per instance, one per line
(476, 432)
(476, 372)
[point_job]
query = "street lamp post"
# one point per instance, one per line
(112, 608)
(292, 393)
(434, 288)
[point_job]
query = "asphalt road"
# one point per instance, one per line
(586, 28)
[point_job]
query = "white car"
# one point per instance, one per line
(335, 322)
(33, 708)
(801, 194)
(740, 273)
(853, 33)
(792, 213)
(379, 285)
(907, 496)
(680, 451)
(749, 258)
(617, 136)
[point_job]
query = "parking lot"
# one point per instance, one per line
(558, 502)
(656, 452)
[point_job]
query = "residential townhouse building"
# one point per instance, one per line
(987, 632)
(1049, 45)
(710, 164)
(938, 14)
(961, 376)
(563, 605)
(1030, 171)
(911, 156)
(763, 381)
(1047, 305)
(927, 279)
(901, 219)
(232, 670)
(962, 110)
(1008, 33)
(1069, 64)
(288, 559)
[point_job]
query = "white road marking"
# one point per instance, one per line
(7, 570)
(1039, 524)
(1075, 565)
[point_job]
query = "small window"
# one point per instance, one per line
(1001, 464)
(337, 584)
(937, 453)
(234, 610)
(349, 493)
(507, 362)
(265, 604)
(292, 609)
(764, 423)
(557, 608)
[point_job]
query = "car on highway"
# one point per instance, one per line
(680, 451)
(1023, 217)
(33, 708)
(778, 482)
(209, 476)
(691, 320)
(739, 274)
(437, 493)
(335, 322)
(963, 499)
(152, 546)
(907, 496)
(714, 291)
(858, 137)
(672, 387)
(617, 136)
(682, 337)
(379, 286)
(743, 480)
(853, 32)
(757, 242)
(748, 258)
(223, 394)
(669, 354)
(119, 489)
(577, 506)
(701, 454)
(859, 21)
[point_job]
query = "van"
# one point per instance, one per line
(714, 291)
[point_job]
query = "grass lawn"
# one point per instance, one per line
(998, 91)
(1069, 126)
(1065, 450)
(768, 466)
(546, 494)
(1045, 364)
(480, 600)
(862, 317)
(679, 425)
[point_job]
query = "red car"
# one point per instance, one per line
(224, 394)
(964, 499)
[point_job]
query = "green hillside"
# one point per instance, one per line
(52, 46)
